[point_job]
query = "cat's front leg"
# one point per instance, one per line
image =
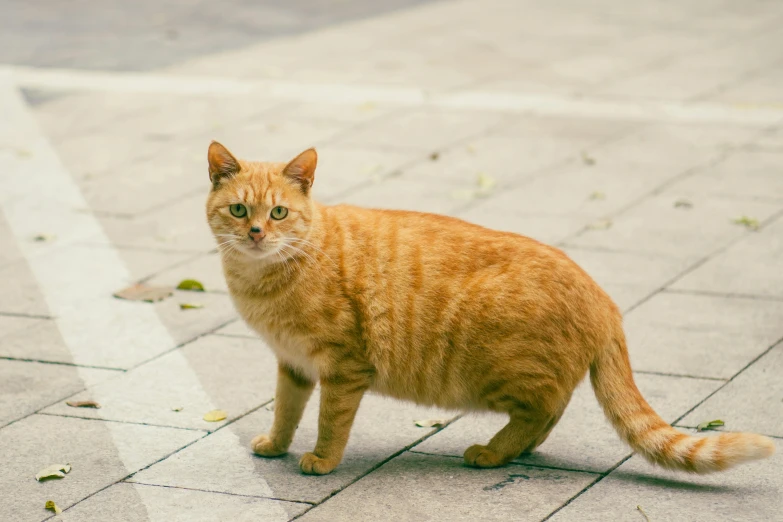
(340, 398)
(291, 397)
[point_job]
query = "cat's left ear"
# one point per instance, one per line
(301, 169)
(222, 164)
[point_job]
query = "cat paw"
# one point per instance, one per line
(263, 445)
(310, 464)
(479, 456)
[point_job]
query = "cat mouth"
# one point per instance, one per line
(260, 250)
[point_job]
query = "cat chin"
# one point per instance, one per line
(267, 255)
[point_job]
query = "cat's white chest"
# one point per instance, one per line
(294, 353)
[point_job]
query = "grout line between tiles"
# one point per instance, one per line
(218, 492)
(379, 464)
(512, 463)
(62, 363)
(120, 421)
(680, 375)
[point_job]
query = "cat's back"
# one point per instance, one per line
(433, 234)
(419, 251)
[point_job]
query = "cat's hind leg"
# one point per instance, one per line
(523, 429)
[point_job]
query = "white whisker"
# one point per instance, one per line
(314, 247)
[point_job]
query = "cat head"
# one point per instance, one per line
(260, 210)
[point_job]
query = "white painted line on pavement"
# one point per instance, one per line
(647, 110)
(77, 283)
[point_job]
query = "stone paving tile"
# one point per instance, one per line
(577, 189)
(749, 492)
(425, 487)
(421, 130)
(20, 293)
(278, 140)
(141, 263)
(179, 227)
(26, 387)
(550, 229)
(342, 168)
(100, 453)
(382, 428)
(75, 114)
(513, 152)
(10, 324)
(151, 181)
(749, 267)
(752, 402)
(772, 141)
(701, 335)
(744, 174)
(583, 439)
(657, 226)
(130, 344)
(238, 329)
(37, 340)
(205, 268)
(402, 193)
(666, 150)
(759, 88)
(628, 277)
(701, 72)
(136, 502)
(10, 252)
(213, 372)
(330, 112)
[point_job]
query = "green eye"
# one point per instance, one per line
(279, 213)
(238, 210)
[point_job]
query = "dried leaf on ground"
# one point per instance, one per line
(177, 408)
(83, 404)
(601, 224)
(485, 186)
(587, 159)
(51, 506)
(142, 292)
(708, 425)
(643, 513)
(54, 471)
(486, 182)
(597, 195)
(190, 306)
(215, 416)
(24, 153)
(191, 285)
(748, 222)
(43, 238)
(431, 423)
(683, 203)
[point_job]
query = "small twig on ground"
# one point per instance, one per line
(643, 513)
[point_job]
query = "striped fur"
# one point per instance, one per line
(429, 309)
(652, 437)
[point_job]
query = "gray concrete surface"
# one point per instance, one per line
(633, 136)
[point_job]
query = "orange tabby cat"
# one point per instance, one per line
(430, 309)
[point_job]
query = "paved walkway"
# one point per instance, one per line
(646, 140)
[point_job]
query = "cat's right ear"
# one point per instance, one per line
(222, 164)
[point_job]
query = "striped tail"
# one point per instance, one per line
(652, 437)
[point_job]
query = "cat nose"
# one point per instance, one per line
(256, 234)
